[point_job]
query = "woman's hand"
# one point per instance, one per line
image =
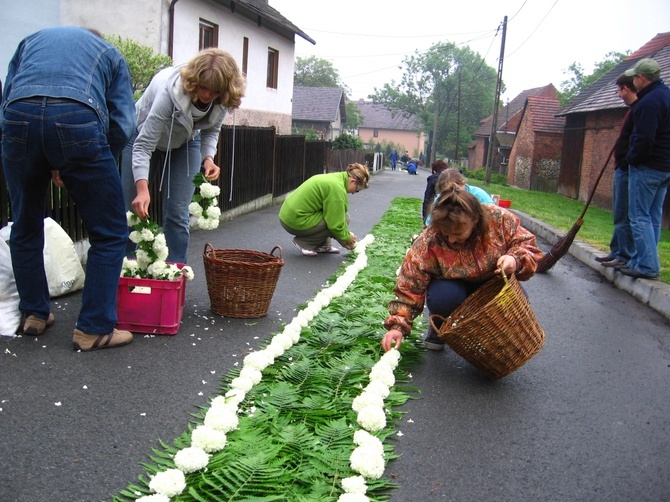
(55, 177)
(211, 170)
(141, 202)
(392, 338)
(350, 243)
(507, 264)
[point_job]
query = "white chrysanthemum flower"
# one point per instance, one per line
(195, 209)
(209, 439)
(252, 374)
(147, 235)
(354, 484)
(384, 374)
(209, 191)
(188, 272)
(378, 387)
(367, 399)
(143, 259)
(242, 383)
(392, 358)
(135, 236)
(364, 438)
(275, 350)
(191, 459)
(132, 219)
(293, 332)
(368, 462)
(259, 359)
(221, 418)
(372, 418)
(157, 269)
(130, 266)
(154, 497)
(169, 483)
(353, 497)
(234, 396)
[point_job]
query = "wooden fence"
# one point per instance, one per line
(255, 162)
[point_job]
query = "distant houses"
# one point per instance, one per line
(380, 125)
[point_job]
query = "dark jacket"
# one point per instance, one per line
(429, 195)
(623, 141)
(650, 140)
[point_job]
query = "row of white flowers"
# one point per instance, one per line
(222, 417)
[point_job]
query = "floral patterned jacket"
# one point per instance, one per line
(431, 256)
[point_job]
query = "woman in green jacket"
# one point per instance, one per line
(316, 211)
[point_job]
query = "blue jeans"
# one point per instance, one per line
(45, 134)
(622, 244)
(646, 192)
(445, 295)
(176, 186)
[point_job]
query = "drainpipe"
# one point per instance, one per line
(171, 28)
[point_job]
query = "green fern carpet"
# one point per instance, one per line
(296, 427)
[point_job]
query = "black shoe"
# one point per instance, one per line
(603, 259)
(431, 341)
(615, 263)
(636, 274)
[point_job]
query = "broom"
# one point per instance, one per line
(563, 244)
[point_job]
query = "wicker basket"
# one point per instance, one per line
(241, 282)
(494, 329)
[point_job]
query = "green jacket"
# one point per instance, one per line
(321, 197)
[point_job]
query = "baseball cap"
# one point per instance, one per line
(645, 67)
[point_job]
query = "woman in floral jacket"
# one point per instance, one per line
(466, 244)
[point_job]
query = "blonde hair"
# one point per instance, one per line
(450, 175)
(216, 70)
(456, 207)
(360, 173)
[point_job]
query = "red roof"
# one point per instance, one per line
(655, 44)
(542, 114)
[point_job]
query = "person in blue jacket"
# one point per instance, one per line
(411, 167)
(67, 112)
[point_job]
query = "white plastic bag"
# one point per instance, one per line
(61, 261)
(10, 316)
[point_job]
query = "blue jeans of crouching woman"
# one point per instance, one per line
(176, 187)
(622, 244)
(446, 295)
(45, 134)
(646, 192)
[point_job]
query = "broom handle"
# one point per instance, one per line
(593, 190)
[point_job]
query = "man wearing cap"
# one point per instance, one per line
(649, 168)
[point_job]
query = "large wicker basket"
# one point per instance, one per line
(494, 329)
(241, 282)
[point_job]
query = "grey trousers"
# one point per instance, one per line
(317, 236)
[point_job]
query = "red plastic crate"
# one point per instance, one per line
(150, 306)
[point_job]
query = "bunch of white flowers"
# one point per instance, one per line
(151, 253)
(204, 204)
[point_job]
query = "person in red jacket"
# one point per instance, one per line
(466, 244)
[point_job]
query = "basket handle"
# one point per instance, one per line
(432, 322)
(277, 248)
(208, 247)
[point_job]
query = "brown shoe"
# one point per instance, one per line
(614, 263)
(34, 326)
(85, 343)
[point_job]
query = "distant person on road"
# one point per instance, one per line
(67, 113)
(429, 195)
(649, 167)
(393, 158)
(179, 119)
(316, 211)
(466, 244)
(622, 245)
(411, 167)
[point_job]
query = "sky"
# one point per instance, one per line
(367, 40)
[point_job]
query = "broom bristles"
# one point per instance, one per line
(559, 249)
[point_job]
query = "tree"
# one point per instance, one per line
(316, 72)
(429, 90)
(354, 117)
(579, 80)
(346, 141)
(143, 63)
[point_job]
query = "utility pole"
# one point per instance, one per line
(494, 122)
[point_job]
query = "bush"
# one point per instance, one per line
(346, 141)
(480, 175)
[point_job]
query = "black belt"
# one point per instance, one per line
(47, 100)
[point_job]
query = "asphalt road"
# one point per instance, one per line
(587, 419)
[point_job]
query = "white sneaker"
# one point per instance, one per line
(305, 252)
(327, 249)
